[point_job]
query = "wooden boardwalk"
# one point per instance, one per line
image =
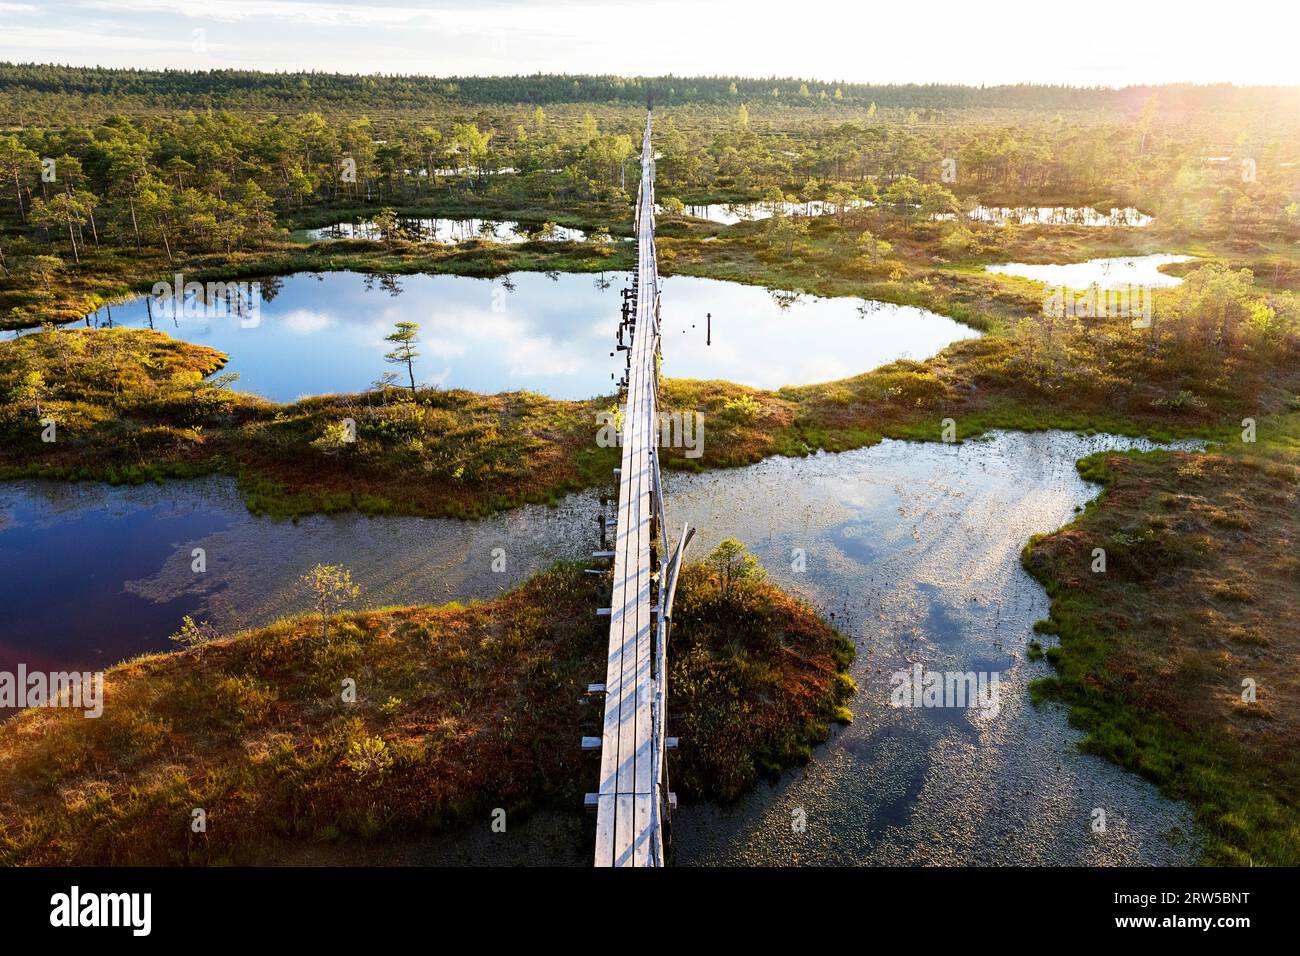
(631, 800)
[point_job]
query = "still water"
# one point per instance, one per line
(447, 231)
(913, 547)
(323, 333)
(1056, 216)
(728, 214)
(1110, 273)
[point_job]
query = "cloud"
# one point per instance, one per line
(451, 37)
(540, 356)
(447, 18)
(306, 322)
(20, 42)
(444, 349)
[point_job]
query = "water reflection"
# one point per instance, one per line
(313, 333)
(1108, 273)
(1056, 216)
(728, 214)
(450, 231)
(914, 548)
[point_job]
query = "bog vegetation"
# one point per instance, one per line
(112, 180)
(83, 197)
(457, 710)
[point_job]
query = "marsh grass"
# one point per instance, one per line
(131, 405)
(1153, 653)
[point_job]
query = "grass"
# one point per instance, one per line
(458, 710)
(129, 406)
(112, 275)
(1199, 591)
(1197, 603)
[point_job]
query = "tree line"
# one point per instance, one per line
(311, 89)
(220, 180)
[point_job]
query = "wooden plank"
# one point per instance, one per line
(628, 541)
(643, 849)
(625, 830)
(643, 761)
(628, 788)
(605, 830)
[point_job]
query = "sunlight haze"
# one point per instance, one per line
(1105, 43)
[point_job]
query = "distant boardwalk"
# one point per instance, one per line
(632, 801)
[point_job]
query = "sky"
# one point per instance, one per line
(1086, 42)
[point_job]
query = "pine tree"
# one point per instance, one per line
(404, 339)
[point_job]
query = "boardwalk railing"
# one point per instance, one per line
(633, 800)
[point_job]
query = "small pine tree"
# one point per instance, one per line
(733, 564)
(331, 589)
(404, 339)
(193, 635)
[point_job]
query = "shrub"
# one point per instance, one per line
(369, 757)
